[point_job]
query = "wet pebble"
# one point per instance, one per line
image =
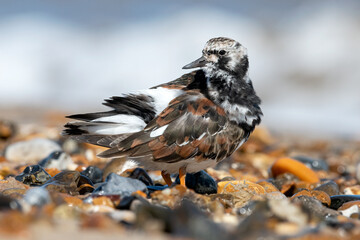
(33, 175)
(330, 187)
(338, 200)
(201, 182)
(59, 160)
(142, 175)
(315, 164)
(37, 197)
(71, 182)
(315, 208)
(31, 151)
(117, 185)
(94, 173)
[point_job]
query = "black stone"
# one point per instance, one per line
(125, 202)
(200, 182)
(315, 164)
(33, 175)
(94, 173)
(142, 175)
(338, 200)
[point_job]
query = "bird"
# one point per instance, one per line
(185, 125)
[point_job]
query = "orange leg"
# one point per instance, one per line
(182, 174)
(166, 178)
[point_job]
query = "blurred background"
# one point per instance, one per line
(69, 55)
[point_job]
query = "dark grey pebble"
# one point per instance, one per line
(315, 164)
(117, 185)
(315, 208)
(33, 175)
(94, 173)
(330, 187)
(200, 182)
(338, 200)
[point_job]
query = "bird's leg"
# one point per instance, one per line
(166, 178)
(182, 174)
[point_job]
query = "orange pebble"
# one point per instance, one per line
(105, 201)
(73, 201)
(302, 193)
(349, 204)
(321, 196)
(268, 186)
(140, 193)
(52, 171)
(288, 165)
(234, 186)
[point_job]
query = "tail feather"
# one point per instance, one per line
(91, 116)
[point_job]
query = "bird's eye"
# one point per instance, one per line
(222, 52)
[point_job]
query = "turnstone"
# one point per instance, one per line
(185, 125)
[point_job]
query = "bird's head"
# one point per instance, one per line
(222, 54)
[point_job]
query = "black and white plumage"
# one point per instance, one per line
(190, 123)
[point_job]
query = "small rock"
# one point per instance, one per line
(235, 186)
(71, 182)
(59, 160)
(315, 209)
(348, 205)
(338, 200)
(11, 182)
(201, 182)
(125, 202)
(314, 164)
(353, 190)
(330, 187)
(269, 187)
(285, 182)
(351, 212)
(93, 173)
(33, 175)
(7, 129)
(117, 185)
(14, 193)
(8, 203)
(37, 197)
(31, 151)
(142, 175)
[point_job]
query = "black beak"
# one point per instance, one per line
(197, 63)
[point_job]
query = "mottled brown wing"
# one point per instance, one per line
(195, 127)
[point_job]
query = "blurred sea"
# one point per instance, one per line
(304, 55)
